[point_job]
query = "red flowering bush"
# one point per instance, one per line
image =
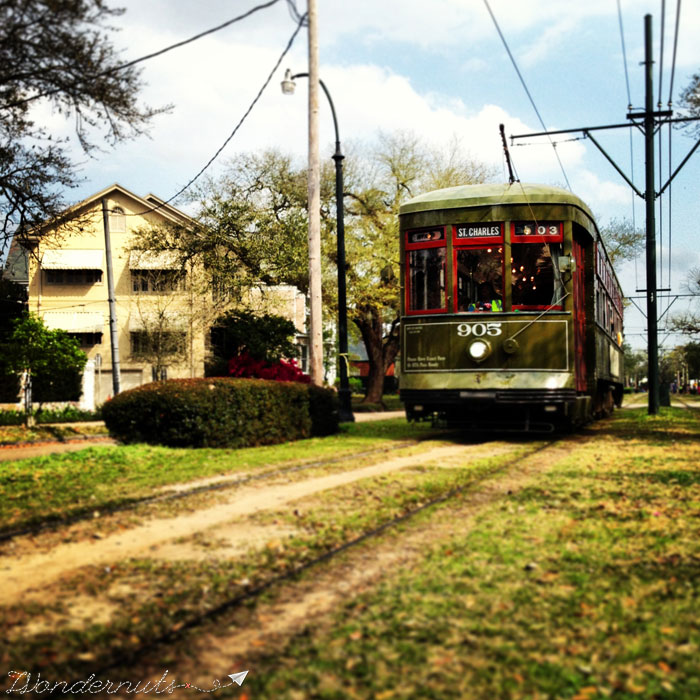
(247, 367)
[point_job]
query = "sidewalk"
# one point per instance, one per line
(9, 453)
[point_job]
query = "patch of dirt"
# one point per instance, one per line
(198, 483)
(231, 541)
(77, 613)
(25, 576)
(233, 644)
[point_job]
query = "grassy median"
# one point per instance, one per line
(583, 585)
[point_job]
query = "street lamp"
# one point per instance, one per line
(288, 86)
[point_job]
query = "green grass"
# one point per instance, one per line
(167, 593)
(17, 434)
(60, 485)
(390, 402)
(583, 585)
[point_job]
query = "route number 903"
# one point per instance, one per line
(464, 330)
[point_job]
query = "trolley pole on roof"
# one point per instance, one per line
(649, 197)
(647, 120)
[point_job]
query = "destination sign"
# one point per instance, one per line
(478, 230)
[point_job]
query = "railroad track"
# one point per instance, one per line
(254, 592)
(87, 513)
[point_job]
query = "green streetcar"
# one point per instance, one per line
(511, 313)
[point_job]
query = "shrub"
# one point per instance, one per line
(280, 371)
(221, 412)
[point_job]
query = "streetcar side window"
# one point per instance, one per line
(479, 275)
(426, 279)
(536, 280)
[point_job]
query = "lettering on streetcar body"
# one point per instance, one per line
(464, 330)
(485, 231)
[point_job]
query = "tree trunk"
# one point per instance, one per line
(381, 350)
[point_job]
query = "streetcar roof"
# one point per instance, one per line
(492, 194)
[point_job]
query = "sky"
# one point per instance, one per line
(437, 69)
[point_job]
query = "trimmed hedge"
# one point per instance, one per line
(67, 414)
(221, 412)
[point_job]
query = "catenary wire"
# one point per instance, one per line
(670, 207)
(661, 51)
(129, 64)
(624, 55)
(235, 129)
(675, 47)
(661, 215)
(522, 81)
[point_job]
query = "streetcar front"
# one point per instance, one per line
(489, 307)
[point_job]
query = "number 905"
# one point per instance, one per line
(464, 330)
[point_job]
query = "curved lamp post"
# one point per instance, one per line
(288, 86)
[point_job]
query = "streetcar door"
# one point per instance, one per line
(579, 316)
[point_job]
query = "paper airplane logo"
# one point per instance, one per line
(238, 677)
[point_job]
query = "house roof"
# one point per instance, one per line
(148, 204)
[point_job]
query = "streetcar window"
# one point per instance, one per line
(536, 280)
(480, 279)
(426, 274)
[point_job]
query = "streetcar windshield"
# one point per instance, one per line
(426, 279)
(537, 282)
(480, 279)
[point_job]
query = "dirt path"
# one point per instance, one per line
(25, 576)
(309, 602)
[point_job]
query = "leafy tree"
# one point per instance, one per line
(400, 167)
(622, 240)
(688, 322)
(161, 310)
(635, 365)
(57, 50)
(52, 358)
(690, 101)
(266, 338)
(252, 231)
(13, 305)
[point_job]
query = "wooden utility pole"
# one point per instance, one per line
(314, 204)
(113, 330)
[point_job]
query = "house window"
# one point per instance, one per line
(87, 340)
(117, 220)
(156, 280)
(162, 343)
(73, 277)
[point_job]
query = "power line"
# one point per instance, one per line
(522, 81)
(624, 55)
(675, 46)
(661, 51)
(238, 125)
(129, 64)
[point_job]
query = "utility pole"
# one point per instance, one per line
(113, 330)
(647, 120)
(314, 206)
(650, 197)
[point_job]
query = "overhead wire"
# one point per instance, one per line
(661, 51)
(670, 105)
(629, 107)
(236, 128)
(624, 55)
(527, 92)
(149, 56)
(675, 47)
